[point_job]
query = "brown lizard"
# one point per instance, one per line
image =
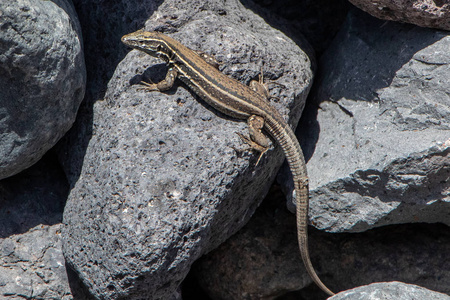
(236, 100)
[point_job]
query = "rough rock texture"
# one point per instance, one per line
(32, 265)
(390, 291)
(42, 75)
(103, 51)
(261, 261)
(425, 13)
(161, 183)
(377, 134)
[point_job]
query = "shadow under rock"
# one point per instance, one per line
(103, 23)
(411, 253)
(317, 21)
(78, 289)
(35, 196)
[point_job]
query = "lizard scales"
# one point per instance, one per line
(236, 100)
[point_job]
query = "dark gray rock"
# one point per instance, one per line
(31, 260)
(390, 291)
(317, 20)
(33, 197)
(103, 51)
(377, 133)
(425, 13)
(161, 183)
(42, 75)
(32, 265)
(262, 260)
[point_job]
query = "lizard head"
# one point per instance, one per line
(153, 43)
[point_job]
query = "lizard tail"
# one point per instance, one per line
(301, 196)
(294, 155)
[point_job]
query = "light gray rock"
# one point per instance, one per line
(32, 265)
(425, 13)
(390, 291)
(262, 261)
(161, 183)
(42, 75)
(378, 144)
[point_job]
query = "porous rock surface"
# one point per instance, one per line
(42, 79)
(376, 135)
(161, 182)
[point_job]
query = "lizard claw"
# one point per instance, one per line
(252, 146)
(148, 86)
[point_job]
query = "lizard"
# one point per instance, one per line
(237, 100)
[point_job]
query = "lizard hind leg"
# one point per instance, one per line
(258, 140)
(259, 86)
(262, 88)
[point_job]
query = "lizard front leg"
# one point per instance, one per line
(164, 84)
(258, 140)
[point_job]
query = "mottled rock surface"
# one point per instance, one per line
(425, 13)
(42, 75)
(161, 182)
(390, 291)
(376, 134)
(32, 265)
